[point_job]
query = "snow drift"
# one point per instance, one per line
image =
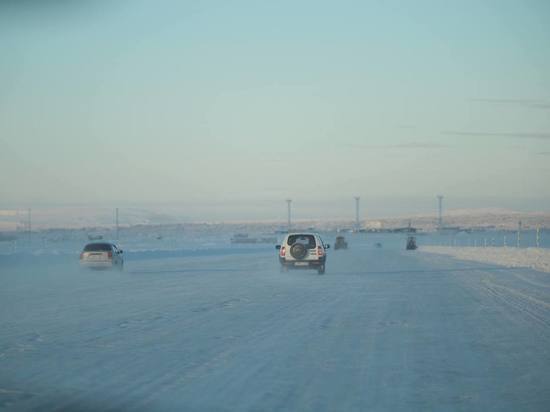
(534, 258)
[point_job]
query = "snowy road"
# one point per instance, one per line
(382, 330)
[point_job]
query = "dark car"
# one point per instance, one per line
(340, 243)
(411, 243)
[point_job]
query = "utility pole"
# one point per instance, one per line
(116, 221)
(357, 226)
(440, 212)
(288, 202)
(29, 227)
(519, 233)
(538, 237)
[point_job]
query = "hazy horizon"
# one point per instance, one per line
(71, 216)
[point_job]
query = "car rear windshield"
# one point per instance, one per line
(97, 247)
(307, 240)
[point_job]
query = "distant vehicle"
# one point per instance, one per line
(101, 256)
(244, 238)
(407, 229)
(340, 243)
(303, 251)
(378, 245)
(411, 243)
(7, 237)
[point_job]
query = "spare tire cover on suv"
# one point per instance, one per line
(298, 251)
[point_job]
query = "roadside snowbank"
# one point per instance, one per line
(534, 258)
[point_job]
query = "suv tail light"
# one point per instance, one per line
(282, 251)
(109, 255)
(320, 251)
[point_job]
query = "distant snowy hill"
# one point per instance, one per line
(488, 218)
(102, 217)
(81, 217)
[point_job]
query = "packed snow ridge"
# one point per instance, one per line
(534, 258)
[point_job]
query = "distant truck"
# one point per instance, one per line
(7, 237)
(340, 243)
(244, 238)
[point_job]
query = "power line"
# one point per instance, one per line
(116, 222)
(357, 226)
(29, 226)
(288, 201)
(440, 213)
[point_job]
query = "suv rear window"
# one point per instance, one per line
(98, 247)
(307, 240)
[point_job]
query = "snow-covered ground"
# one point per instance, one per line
(221, 329)
(535, 258)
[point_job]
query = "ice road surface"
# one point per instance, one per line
(535, 258)
(383, 329)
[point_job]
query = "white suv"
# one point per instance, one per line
(303, 250)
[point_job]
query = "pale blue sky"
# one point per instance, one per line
(245, 103)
